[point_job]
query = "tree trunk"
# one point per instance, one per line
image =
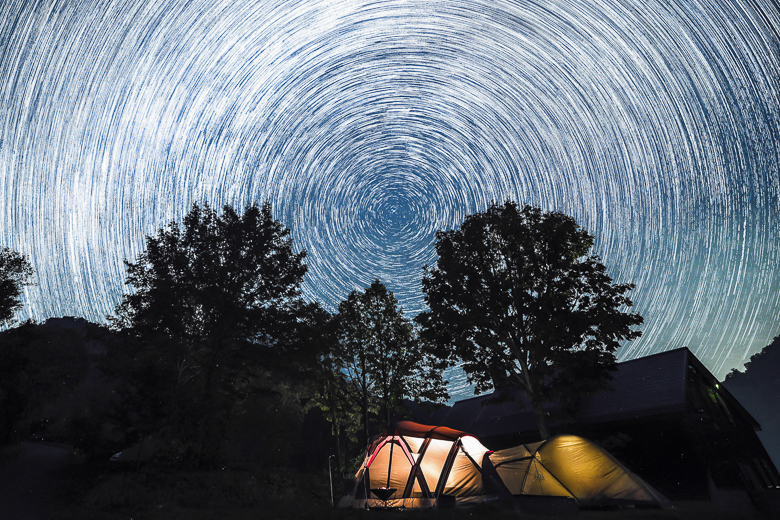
(539, 415)
(365, 418)
(364, 382)
(387, 414)
(386, 397)
(335, 422)
(335, 430)
(339, 462)
(541, 420)
(213, 416)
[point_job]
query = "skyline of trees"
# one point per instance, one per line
(381, 354)
(217, 364)
(215, 304)
(16, 272)
(215, 325)
(517, 295)
(296, 379)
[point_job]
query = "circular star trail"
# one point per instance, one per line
(371, 125)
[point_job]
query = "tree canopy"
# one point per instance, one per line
(214, 309)
(41, 364)
(15, 273)
(519, 297)
(757, 388)
(381, 354)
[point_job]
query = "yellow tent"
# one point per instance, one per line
(418, 466)
(571, 466)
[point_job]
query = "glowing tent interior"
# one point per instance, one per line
(418, 466)
(567, 465)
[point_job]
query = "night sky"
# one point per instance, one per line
(371, 125)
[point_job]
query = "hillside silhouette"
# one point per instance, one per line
(758, 389)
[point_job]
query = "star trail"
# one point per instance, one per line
(371, 125)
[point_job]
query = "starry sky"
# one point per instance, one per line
(370, 125)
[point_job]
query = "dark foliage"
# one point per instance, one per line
(382, 356)
(42, 368)
(215, 320)
(763, 366)
(519, 297)
(758, 389)
(15, 273)
(331, 400)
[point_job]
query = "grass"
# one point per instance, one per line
(98, 492)
(287, 512)
(9, 452)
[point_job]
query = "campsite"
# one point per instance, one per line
(421, 467)
(415, 471)
(197, 403)
(283, 471)
(382, 259)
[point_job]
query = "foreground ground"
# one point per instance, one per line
(42, 482)
(288, 511)
(249, 495)
(29, 475)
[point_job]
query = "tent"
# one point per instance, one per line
(418, 466)
(571, 466)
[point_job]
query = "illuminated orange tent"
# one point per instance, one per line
(571, 466)
(418, 466)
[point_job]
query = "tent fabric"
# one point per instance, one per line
(419, 466)
(391, 466)
(412, 429)
(433, 463)
(568, 465)
(463, 480)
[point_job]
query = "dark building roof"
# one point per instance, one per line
(651, 385)
(644, 387)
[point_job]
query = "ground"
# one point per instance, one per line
(41, 482)
(28, 480)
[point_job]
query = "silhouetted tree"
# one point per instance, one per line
(40, 365)
(15, 273)
(14, 382)
(380, 352)
(215, 317)
(758, 388)
(764, 365)
(335, 398)
(329, 392)
(517, 295)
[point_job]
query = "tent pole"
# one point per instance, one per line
(330, 476)
(366, 490)
(445, 471)
(537, 459)
(390, 462)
